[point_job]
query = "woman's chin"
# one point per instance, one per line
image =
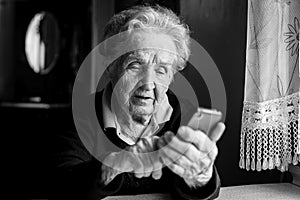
(141, 110)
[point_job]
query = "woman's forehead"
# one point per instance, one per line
(161, 56)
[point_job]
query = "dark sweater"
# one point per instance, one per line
(77, 172)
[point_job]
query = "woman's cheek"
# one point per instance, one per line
(160, 92)
(126, 86)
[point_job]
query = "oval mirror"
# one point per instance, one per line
(42, 43)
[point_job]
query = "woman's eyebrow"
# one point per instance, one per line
(143, 59)
(134, 56)
(166, 60)
(164, 63)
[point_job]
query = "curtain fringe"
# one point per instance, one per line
(270, 135)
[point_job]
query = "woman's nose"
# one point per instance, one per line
(148, 82)
(148, 86)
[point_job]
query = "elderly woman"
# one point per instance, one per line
(141, 116)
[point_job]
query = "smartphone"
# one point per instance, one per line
(205, 119)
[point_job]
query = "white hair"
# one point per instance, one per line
(153, 17)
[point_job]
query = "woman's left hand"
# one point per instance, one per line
(191, 153)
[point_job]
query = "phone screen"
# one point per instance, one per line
(205, 119)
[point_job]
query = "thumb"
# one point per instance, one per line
(217, 132)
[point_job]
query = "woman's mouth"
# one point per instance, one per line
(142, 100)
(143, 97)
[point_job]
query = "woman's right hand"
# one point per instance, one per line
(142, 159)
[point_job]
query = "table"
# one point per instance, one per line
(278, 191)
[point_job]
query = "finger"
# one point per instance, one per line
(166, 138)
(186, 148)
(175, 168)
(154, 141)
(144, 157)
(157, 174)
(161, 143)
(143, 148)
(179, 159)
(196, 137)
(217, 132)
(151, 143)
(157, 165)
(167, 151)
(139, 174)
(153, 154)
(205, 161)
(147, 166)
(137, 163)
(146, 144)
(125, 161)
(157, 171)
(213, 153)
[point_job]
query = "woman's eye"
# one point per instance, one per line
(134, 66)
(161, 70)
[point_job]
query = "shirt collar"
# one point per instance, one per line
(162, 115)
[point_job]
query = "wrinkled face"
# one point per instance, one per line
(144, 77)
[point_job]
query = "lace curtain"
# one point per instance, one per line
(269, 133)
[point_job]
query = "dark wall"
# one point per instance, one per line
(7, 15)
(28, 136)
(220, 27)
(124, 4)
(28, 129)
(19, 81)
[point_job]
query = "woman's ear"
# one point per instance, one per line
(115, 70)
(110, 71)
